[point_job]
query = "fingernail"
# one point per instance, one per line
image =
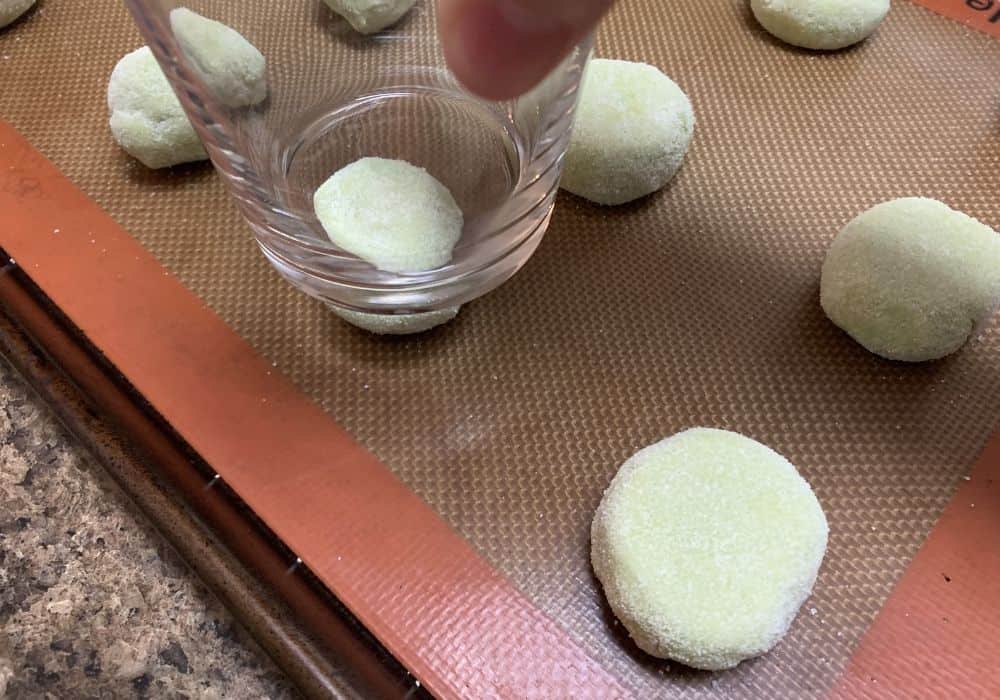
(530, 17)
(547, 15)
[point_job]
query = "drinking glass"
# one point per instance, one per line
(334, 96)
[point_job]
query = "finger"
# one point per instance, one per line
(502, 48)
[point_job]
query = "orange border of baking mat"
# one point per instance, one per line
(420, 588)
(938, 635)
(983, 15)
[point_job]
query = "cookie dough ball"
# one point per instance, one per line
(820, 24)
(398, 324)
(370, 16)
(229, 65)
(706, 545)
(397, 217)
(912, 279)
(633, 128)
(394, 215)
(12, 9)
(147, 120)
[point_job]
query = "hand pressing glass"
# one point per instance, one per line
(501, 48)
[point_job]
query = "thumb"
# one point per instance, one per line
(502, 48)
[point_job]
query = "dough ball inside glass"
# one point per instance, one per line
(229, 65)
(824, 25)
(634, 126)
(707, 544)
(390, 213)
(12, 9)
(398, 324)
(370, 16)
(147, 119)
(397, 217)
(912, 279)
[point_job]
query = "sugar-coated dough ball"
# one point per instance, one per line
(820, 24)
(146, 118)
(912, 279)
(633, 128)
(706, 545)
(370, 16)
(397, 324)
(229, 65)
(12, 9)
(394, 215)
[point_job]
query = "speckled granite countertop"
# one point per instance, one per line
(93, 603)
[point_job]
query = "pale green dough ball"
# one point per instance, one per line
(398, 324)
(707, 544)
(633, 127)
(12, 9)
(146, 118)
(820, 24)
(230, 66)
(394, 215)
(370, 16)
(912, 279)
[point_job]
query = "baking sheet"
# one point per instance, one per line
(697, 306)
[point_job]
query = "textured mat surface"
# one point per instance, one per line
(697, 306)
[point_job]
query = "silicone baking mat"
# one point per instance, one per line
(697, 306)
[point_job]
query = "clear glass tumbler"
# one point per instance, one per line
(334, 96)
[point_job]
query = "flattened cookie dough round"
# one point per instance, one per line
(824, 25)
(912, 279)
(12, 9)
(707, 544)
(633, 127)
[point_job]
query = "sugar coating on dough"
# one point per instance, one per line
(370, 16)
(707, 544)
(824, 25)
(147, 120)
(12, 9)
(390, 213)
(397, 324)
(912, 279)
(229, 65)
(634, 126)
